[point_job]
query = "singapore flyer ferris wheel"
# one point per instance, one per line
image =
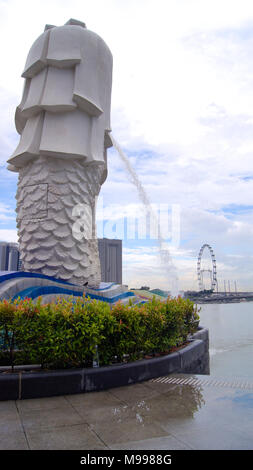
(212, 272)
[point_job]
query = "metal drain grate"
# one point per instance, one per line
(215, 382)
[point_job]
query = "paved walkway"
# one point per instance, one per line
(194, 412)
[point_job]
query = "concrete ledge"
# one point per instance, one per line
(193, 358)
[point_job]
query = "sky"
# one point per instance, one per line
(182, 112)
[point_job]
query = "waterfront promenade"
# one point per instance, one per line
(180, 412)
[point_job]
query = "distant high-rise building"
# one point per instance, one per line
(13, 258)
(3, 247)
(9, 256)
(20, 264)
(110, 254)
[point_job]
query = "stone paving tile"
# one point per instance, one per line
(42, 403)
(113, 413)
(102, 406)
(49, 418)
(173, 400)
(134, 393)
(9, 420)
(8, 405)
(76, 437)
(167, 406)
(94, 400)
(159, 443)
(129, 429)
(214, 438)
(13, 441)
(160, 388)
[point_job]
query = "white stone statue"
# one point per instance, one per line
(64, 123)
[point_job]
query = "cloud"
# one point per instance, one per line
(6, 214)
(8, 235)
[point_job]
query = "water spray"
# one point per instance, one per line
(165, 256)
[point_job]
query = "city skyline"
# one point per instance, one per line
(181, 111)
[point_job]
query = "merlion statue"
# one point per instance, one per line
(64, 123)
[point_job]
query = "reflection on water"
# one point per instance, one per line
(231, 338)
(178, 402)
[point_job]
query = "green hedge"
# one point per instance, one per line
(67, 333)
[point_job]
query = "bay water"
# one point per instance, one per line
(230, 338)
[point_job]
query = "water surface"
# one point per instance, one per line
(231, 338)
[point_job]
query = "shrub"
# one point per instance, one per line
(66, 333)
(7, 329)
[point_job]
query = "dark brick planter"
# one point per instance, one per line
(193, 358)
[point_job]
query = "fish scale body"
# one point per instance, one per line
(46, 222)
